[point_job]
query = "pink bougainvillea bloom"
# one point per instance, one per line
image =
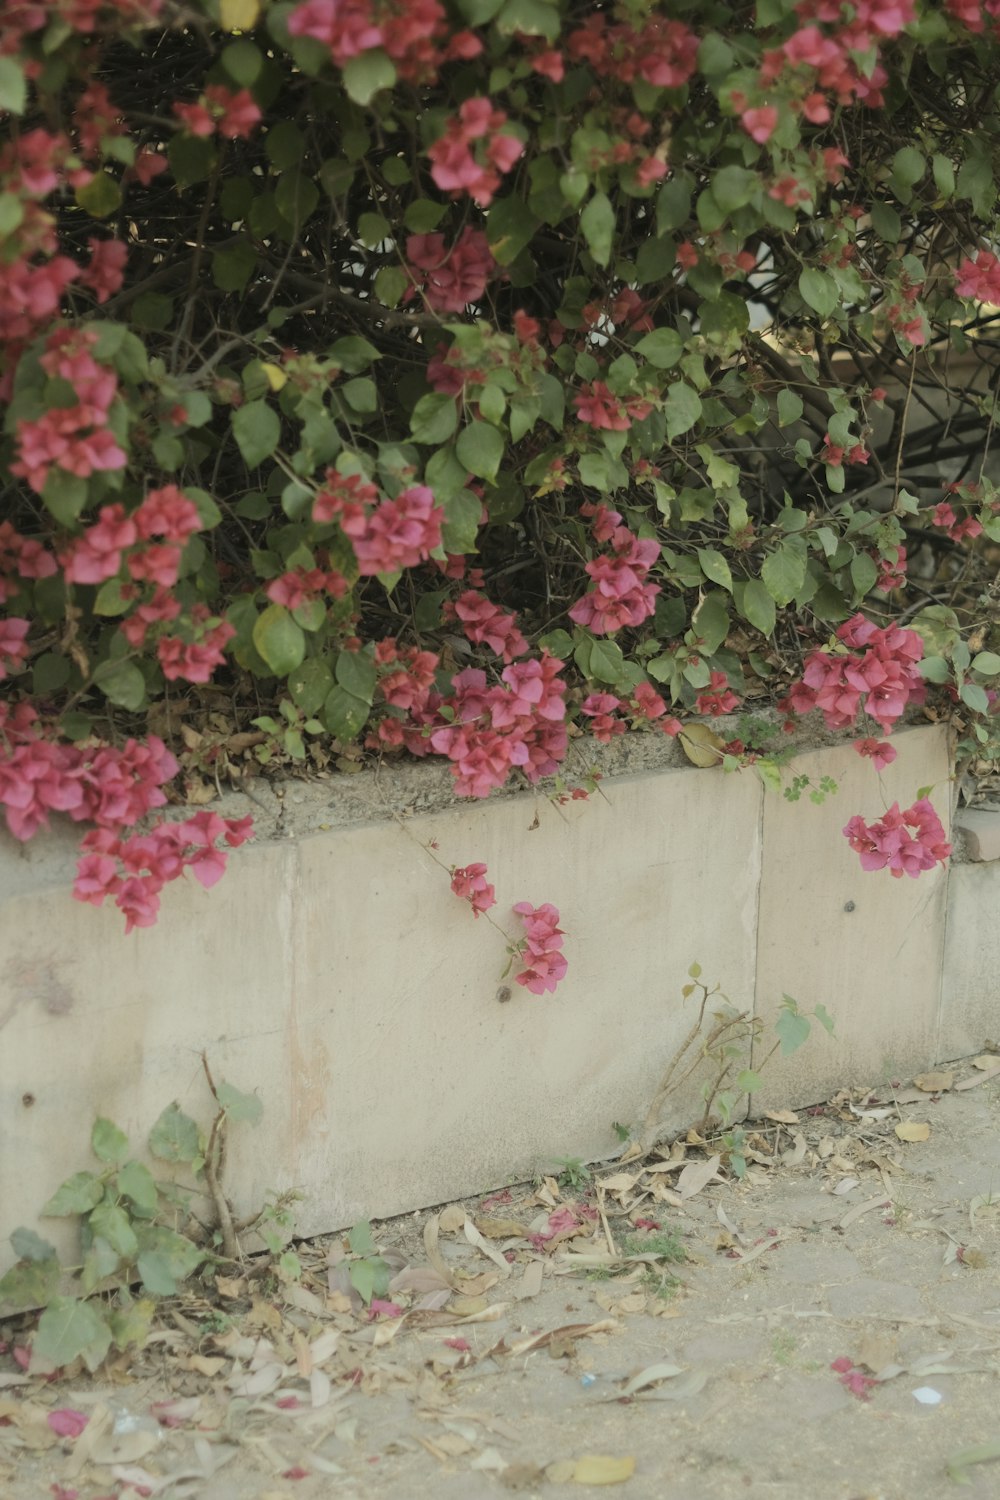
(66, 1422)
(879, 752)
(470, 884)
(544, 965)
(760, 123)
(854, 1380)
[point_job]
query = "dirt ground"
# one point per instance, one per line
(826, 1329)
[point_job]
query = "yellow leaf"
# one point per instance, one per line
(276, 376)
(238, 15)
(934, 1083)
(913, 1130)
(701, 745)
(600, 1469)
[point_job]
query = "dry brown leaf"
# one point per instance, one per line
(502, 1229)
(231, 1286)
(204, 1364)
(431, 1231)
(696, 1175)
(621, 1182)
(521, 1476)
(475, 1238)
(913, 1130)
(782, 1116)
(701, 745)
(862, 1208)
(876, 1350)
(986, 1061)
(934, 1083)
(985, 1077)
(451, 1219)
(599, 1468)
(561, 1472)
(531, 1282)
(568, 1331)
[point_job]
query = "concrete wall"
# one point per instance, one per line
(333, 973)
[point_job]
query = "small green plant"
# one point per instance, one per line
(783, 1347)
(826, 788)
(661, 1243)
(369, 1273)
(660, 1284)
(727, 1051)
(623, 1132)
(134, 1228)
(573, 1174)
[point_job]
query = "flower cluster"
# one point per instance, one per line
(718, 698)
(544, 964)
(90, 782)
(944, 518)
(599, 407)
(470, 884)
(663, 53)
(621, 594)
(890, 844)
(414, 33)
(489, 731)
(219, 109)
(449, 279)
(485, 623)
(881, 676)
(600, 709)
(394, 534)
(457, 169)
(74, 439)
(979, 279)
(135, 870)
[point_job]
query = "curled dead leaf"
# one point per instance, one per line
(913, 1130)
(701, 745)
(782, 1116)
(600, 1468)
(934, 1083)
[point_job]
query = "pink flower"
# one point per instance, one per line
(449, 279)
(856, 1381)
(718, 698)
(167, 512)
(239, 111)
(66, 1422)
(13, 645)
(486, 623)
(760, 123)
(399, 533)
(105, 273)
(879, 752)
(889, 843)
(544, 964)
(600, 709)
(470, 884)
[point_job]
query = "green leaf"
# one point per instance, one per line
(789, 408)
(232, 269)
(715, 567)
(598, 224)
(819, 291)
(137, 1183)
(529, 18)
(175, 1136)
(462, 514)
(793, 1029)
(69, 1329)
(297, 197)
(242, 61)
(434, 419)
(710, 625)
(344, 715)
(355, 671)
(13, 89)
(166, 1260)
(27, 1245)
(974, 697)
(112, 1223)
(360, 394)
(732, 187)
(944, 176)
(361, 1239)
(122, 682)
(480, 449)
(886, 222)
(757, 606)
(784, 573)
(29, 1283)
(100, 197)
(935, 669)
(366, 74)
(107, 1142)
(64, 495)
(257, 429)
(353, 353)
(663, 347)
(77, 1195)
(309, 685)
(682, 409)
(864, 573)
(606, 661)
(131, 1324)
(510, 225)
(363, 1276)
(244, 1109)
(279, 640)
(987, 662)
(824, 1018)
(191, 159)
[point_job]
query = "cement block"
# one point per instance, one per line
(865, 945)
(981, 827)
(970, 1000)
(338, 977)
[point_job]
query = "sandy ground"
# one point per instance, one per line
(525, 1351)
